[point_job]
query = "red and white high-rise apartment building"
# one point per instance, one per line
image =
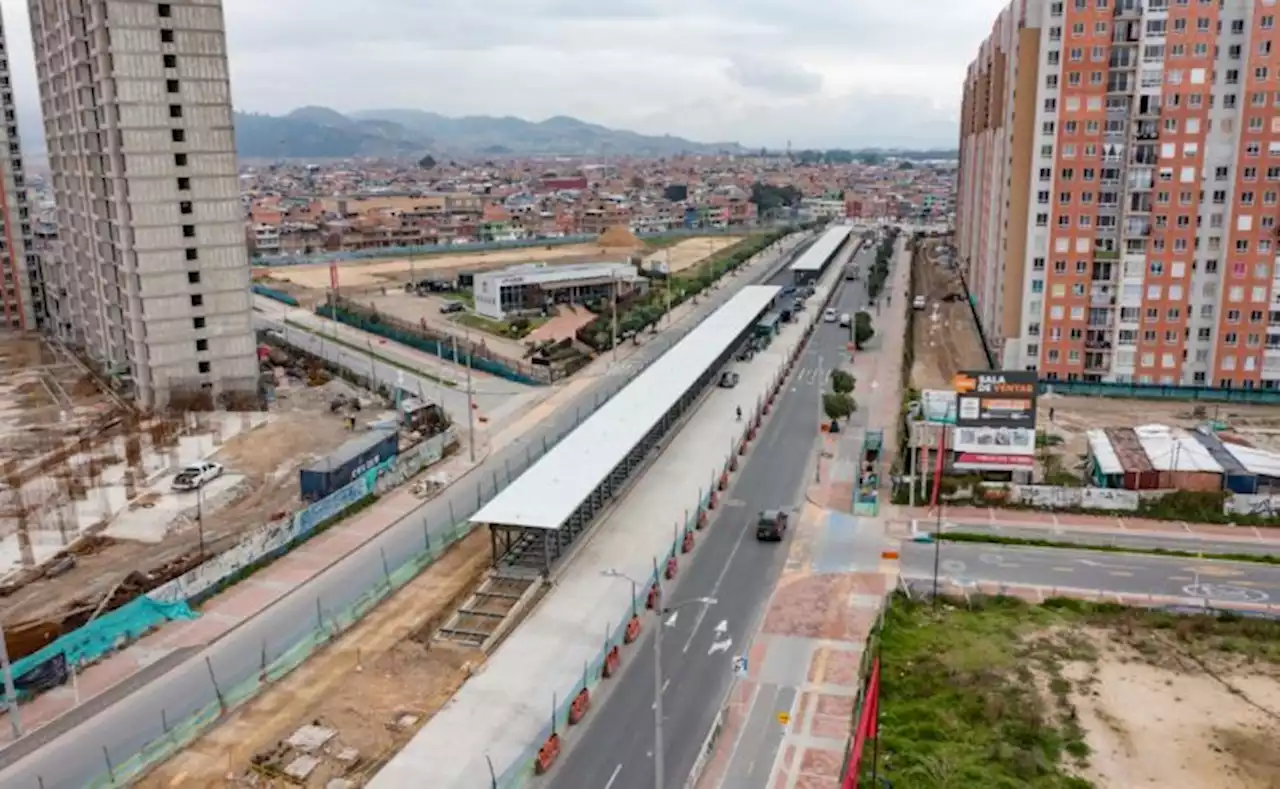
(1118, 190)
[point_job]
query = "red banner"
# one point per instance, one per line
(866, 729)
(333, 276)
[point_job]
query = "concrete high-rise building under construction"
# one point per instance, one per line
(22, 292)
(1117, 212)
(150, 275)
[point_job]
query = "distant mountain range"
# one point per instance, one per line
(320, 133)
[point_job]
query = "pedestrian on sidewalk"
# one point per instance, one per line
(739, 413)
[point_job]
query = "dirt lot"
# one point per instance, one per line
(389, 273)
(1175, 723)
(997, 692)
(689, 252)
(373, 688)
(946, 338)
(301, 428)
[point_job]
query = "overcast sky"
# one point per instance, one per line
(820, 73)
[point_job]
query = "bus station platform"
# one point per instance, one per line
(503, 716)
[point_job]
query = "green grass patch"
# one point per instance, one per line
(385, 359)
(975, 693)
(516, 329)
(1033, 542)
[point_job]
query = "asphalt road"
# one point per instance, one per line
(1218, 581)
(616, 749)
(70, 751)
(1188, 542)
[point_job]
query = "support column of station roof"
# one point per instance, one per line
(535, 519)
(809, 266)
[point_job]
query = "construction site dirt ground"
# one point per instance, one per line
(300, 428)
(689, 252)
(946, 338)
(372, 688)
(358, 276)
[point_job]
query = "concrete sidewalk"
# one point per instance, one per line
(502, 713)
(786, 725)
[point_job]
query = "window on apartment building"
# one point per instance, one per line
(170, 61)
(197, 323)
(164, 10)
(175, 110)
(184, 184)
(178, 135)
(1266, 23)
(184, 207)
(193, 277)
(192, 254)
(188, 231)
(172, 85)
(166, 36)
(1054, 57)
(197, 300)
(205, 368)
(180, 160)
(202, 345)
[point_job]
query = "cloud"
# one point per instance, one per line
(822, 73)
(773, 76)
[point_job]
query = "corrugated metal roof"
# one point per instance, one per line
(1103, 452)
(548, 493)
(1171, 449)
(816, 256)
(1256, 461)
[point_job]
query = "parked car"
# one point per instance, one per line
(728, 379)
(918, 303)
(845, 320)
(829, 316)
(771, 525)
(197, 475)
(452, 306)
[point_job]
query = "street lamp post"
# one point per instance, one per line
(659, 755)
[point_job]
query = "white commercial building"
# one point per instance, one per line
(533, 286)
(153, 271)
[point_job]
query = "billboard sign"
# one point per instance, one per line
(938, 405)
(994, 440)
(975, 461)
(1006, 398)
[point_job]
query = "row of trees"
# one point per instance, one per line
(880, 269)
(839, 402)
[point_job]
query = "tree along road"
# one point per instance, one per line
(73, 750)
(1220, 581)
(616, 750)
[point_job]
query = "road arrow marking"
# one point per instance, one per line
(723, 627)
(671, 620)
(720, 646)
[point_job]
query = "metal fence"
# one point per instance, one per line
(329, 625)
(429, 250)
(177, 735)
(1202, 394)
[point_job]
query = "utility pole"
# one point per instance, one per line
(200, 518)
(659, 756)
(10, 694)
(471, 405)
(614, 310)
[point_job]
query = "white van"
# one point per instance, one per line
(829, 316)
(845, 320)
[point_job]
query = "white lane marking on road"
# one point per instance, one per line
(723, 627)
(613, 777)
(715, 589)
(720, 646)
